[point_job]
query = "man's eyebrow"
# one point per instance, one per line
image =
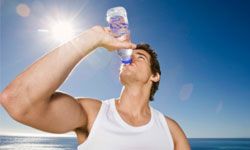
(140, 53)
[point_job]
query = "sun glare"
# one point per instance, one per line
(59, 31)
(62, 30)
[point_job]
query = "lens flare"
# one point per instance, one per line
(186, 91)
(23, 10)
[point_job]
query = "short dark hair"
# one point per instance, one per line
(154, 66)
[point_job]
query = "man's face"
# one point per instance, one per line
(139, 70)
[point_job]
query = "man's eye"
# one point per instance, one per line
(141, 57)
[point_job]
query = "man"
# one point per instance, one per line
(126, 123)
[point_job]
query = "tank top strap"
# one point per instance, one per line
(100, 118)
(164, 124)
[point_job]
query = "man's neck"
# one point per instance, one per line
(134, 100)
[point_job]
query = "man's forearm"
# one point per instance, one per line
(42, 78)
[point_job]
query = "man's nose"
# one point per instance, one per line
(133, 58)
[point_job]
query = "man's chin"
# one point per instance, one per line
(125, 76)
(126, 73)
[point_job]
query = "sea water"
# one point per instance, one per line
(70, 143)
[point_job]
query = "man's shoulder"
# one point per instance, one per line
(173, 125)
(177, 133)
(89, 101)
(171, 122)
(90, 105)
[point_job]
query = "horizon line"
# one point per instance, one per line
(70, 135)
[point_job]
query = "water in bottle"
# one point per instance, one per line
(118, 23)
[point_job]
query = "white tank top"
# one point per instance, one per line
(111, 132)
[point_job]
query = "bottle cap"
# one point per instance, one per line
(128, 61)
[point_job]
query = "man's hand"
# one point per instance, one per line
(108, 41)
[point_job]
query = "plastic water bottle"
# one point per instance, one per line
(118, 23)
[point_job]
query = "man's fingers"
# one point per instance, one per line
(133, 46)
(124, 45)
(112, 43)
(107, 30)
(124, 37)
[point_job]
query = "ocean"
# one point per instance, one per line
(70, 143)
(220, 143)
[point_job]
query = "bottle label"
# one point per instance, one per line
(118, 25)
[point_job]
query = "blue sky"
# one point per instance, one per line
(203, 48)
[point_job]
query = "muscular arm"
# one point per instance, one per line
(32, 99)
(179, 137)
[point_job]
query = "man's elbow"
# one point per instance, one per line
(12, 105)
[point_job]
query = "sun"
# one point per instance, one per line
(61, 30)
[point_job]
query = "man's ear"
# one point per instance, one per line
(156, 77)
